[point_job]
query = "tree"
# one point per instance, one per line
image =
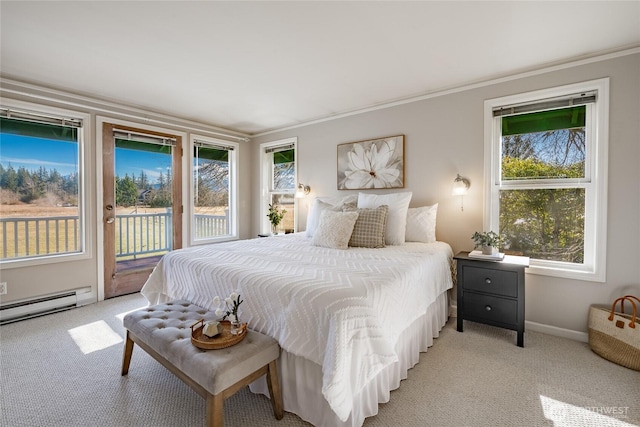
(517, 146)
(30, 187)
(543, 223)
(161, 196)
(9, 179)
(143, 181)
(203, 195)
(284, 174)
(33, 185)
(212, 184)
(70, 185)
(126, 191)
(215, 174)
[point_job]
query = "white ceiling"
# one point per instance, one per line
(257, 66)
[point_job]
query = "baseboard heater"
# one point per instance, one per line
(13, 312)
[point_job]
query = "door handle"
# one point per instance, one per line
(110, 220)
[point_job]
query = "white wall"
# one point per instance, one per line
(444, 136)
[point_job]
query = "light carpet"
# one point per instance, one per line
(64, 370)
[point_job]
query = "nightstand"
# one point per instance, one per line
(492, 292)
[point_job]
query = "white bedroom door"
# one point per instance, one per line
(142, 206)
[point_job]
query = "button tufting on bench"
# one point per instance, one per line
(211, 372)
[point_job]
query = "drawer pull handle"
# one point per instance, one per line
(487, 281)
(487, 307)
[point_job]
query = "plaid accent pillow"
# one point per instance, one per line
(396, 219)
(369, 230)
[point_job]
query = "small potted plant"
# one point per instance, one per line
(275, 216)
(489, 241)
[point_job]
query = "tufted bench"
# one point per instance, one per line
(164, 331)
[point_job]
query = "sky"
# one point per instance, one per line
(132, 162)
(31, 153)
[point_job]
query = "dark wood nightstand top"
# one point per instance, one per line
(508, 259)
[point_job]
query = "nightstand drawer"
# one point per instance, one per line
(490, 308)
(498, 282)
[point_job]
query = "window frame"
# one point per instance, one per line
(233, 190)
(266, 162)
(594, 182)
(84, 183)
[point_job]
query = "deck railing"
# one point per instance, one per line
(137, 235)
(143, 234)
(211, 225)
(33, 236)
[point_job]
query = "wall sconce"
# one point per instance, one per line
(460, 188)
(303, 190)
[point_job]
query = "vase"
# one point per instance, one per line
(274, 229)
(235, 324)
(489, 250)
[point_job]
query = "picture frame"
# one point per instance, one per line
(371, 164)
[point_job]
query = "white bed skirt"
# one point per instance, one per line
(301, 380)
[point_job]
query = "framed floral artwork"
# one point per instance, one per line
(374, 163)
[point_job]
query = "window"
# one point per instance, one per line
(279, 182)
(214, 177)
(546, 161)
(41, 184)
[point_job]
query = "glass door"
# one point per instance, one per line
(142, 204)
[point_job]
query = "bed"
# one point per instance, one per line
(350, 322)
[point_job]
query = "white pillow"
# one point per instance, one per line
(339, 200)
(334, 229)
(397, 219)
(421, 224)
(320, 204)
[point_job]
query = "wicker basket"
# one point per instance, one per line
(616, 335)
(223, 340)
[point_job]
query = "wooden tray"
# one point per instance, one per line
(223, 340)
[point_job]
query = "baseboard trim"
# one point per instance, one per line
(556, 331)
(541, 327)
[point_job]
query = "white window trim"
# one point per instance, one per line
(265, 170)
(233, 190)
(84, 182)
(594, 268)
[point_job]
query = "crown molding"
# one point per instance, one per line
(32, 91)
(541, 69)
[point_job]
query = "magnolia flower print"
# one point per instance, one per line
(373, 167)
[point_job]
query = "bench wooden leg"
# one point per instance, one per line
(274, 390)
(126, 356)
(215, 410)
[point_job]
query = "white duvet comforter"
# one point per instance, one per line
(342, 309)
